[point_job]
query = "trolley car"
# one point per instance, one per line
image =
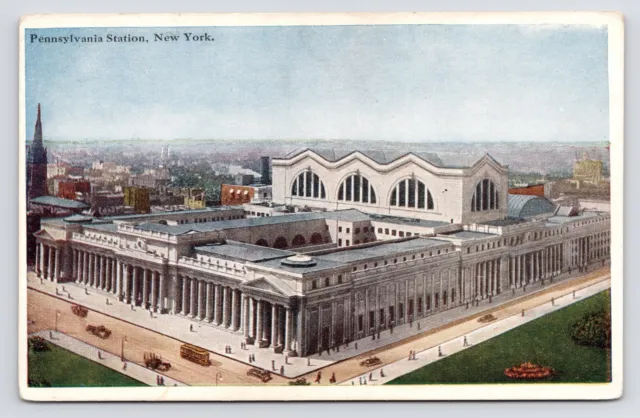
(195, 354)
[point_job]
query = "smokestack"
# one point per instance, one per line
(265, 170)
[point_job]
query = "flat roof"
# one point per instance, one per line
(59, 202)
(348, 215)
(470, 235)
(186, 212)
(565, 219)
(349, 255)
(398, 220)
(229, 224)
(505, 222)
(321, 264)
(242, 251)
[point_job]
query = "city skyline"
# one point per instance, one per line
(408, 83)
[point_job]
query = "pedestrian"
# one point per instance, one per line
(157, 380)
(338, 348)
(131, 306)
(381, 373)
(86, 291)
(418, 324)
(286, 359)
(63, 289)
(328, 352)
(151, 313)
(51, 335)
(282, 370)
(308, 361)
(352, 383)
(161, 381)
(356, 345)
(552, 302)
(190, 327)
(574, 294)
(124, 366)
(249, 358)
(467, 305)
(439, 351)
(333, 378)
(99, 354)
(378, 334)
(523, 312)
(370, 377)
(410, 355)
(318, 377)
(373, 336)
(465, 341)
(273, 364)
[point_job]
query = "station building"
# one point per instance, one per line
(351, 244)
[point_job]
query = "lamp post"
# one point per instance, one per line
(57, 315)
(124, 340)
(218, 377)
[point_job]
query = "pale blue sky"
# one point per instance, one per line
(397, 82)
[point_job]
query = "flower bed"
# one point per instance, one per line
(529, 371)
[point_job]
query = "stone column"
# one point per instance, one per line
(126, 296)
(163, 293)
(56, 265)
(243, 312)
(208, 304)
(248, 330)
(145, 288)
(234, 310)
(185, 294)
(154, 291)
(258, 321)
(175, 283)
(85, 267)
(118, 285)
(50, 264)
(225, 307)
(199, 307)
(287, 329)
(217, 312)
(96, 270)
(38, 261)
(192, 297)
(89, 281)
(273, 339)
(279, 330)
(134, 287)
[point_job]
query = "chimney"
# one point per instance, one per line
(265, 170)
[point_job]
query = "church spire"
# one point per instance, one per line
(37, 135)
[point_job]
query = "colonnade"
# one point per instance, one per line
(487, 279)
(266, 323)
(535, 266)
(135, 285)
(48, 259)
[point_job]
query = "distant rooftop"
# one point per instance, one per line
(580, 217)
(351, 254)
(347, 215)
(58, 202)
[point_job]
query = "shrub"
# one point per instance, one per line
(593, 329)
(38, 344)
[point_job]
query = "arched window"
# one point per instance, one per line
(308, 184)
(357, 188)
(411, 193)
(262, 242)
(316, 238)
(281, 242)
(485, 197)
(298, 240)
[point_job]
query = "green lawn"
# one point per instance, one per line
(62, 368)
(545, 341)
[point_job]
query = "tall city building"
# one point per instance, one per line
(37, 163)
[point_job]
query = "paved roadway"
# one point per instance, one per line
(442, 327)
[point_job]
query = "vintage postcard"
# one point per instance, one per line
(404, 206)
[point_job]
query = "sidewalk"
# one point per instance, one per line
(430, 355)
(135, 371)
(216, 340)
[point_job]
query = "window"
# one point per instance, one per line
(379, 230)
(401, 233)
(411, 193)
(395, 261)
(428, 301)
(356, 231)
(356, 188)
(340, 279)
(314, 285)
(365, 266)
(348, 230)
(436, 301)
(386, 231)
(339, 229)
(339, 242)
(393, 232)
(444, 297)
(308, 184)
(365, 229)
(419, 304)
(355, 268)
(348, 243)
(485, 197)
(356, 242)
(327, 281)
(408, 234)
(360, 323)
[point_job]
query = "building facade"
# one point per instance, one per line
(302, 282)
(37, 163)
